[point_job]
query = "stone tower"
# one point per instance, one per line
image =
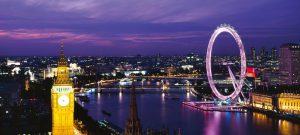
(62, 99)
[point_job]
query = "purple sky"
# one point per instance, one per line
(147, 27)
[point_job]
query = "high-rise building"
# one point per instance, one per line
(274, 54)
(62, 99)
(263, 53)
(133, 125)
(289, 64)
(253, 54)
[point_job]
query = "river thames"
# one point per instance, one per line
(157, 110)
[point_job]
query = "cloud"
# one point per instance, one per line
(112, 40)
(255, 13)
(53, 36)
(162, 37)
(156, 11)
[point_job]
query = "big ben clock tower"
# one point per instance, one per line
(62, 99)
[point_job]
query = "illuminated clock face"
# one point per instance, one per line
(63, 100)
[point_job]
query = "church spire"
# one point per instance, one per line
(133, 125)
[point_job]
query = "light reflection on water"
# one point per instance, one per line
(212, 127)
(188, 95)
(120, 97)
(283, 127)
(157, 110)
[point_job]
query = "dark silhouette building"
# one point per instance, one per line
(253, 54)
(133, 125)
(274, 54)
(263, 53)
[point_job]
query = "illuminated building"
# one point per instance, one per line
(31, 75)
(11, 63)
(125, 82)
(50, 72)
(289, 64)
(262, 101)
(289, 102)
(133, 125)
(15, 71)
(170, 71)
(136, 72)
(250, 72)
(62, 100)
(27, 85)
(276, 98)
(187, 67)
(74, 69)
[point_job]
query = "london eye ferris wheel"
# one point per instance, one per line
(237, 84)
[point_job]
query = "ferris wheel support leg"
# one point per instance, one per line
(234, 81)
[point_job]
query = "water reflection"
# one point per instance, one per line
(188, 95)
(213, 125)
(98, 98)
(288, 128)
(281, 127)
(120, 97)
(163, 97)
(156, 109)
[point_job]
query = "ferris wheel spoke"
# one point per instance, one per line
(233, 79)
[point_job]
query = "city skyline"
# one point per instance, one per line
(114, 67)
(117, 28)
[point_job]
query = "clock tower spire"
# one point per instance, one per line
(62, 99)
(62, 68)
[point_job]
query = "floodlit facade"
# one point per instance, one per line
(281, 99)
(262, 101)
(73, 68)
(11, 62)
(289, 102)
